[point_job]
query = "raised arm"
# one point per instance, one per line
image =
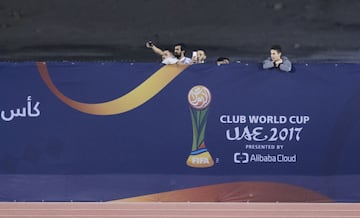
(155, 49)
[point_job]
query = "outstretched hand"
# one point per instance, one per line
(149, 44)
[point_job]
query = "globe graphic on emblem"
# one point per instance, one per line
(199, 97)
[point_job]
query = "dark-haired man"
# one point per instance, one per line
(276, 60)
(198, 57)
(179, 53)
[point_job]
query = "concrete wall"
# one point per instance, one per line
(117, 30)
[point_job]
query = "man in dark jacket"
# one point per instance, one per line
(276, 60)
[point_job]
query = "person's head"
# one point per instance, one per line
(222, 60)
(201, 56)
(166, 54)
(179, 50)
(275, 52)
(198, 57)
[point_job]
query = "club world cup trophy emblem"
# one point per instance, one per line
(199, 98)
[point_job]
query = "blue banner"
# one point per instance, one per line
(148, 132)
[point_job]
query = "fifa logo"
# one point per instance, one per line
(199, 98)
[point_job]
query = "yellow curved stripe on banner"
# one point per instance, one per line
(136, 97)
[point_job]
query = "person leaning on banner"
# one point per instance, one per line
(222, 60)
(276, 60)
(166, 55)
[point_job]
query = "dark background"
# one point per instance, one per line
(326, 30)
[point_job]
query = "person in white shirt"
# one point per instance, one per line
(166, 55)
(179, 53)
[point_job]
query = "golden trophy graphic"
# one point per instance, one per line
(199, 98)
